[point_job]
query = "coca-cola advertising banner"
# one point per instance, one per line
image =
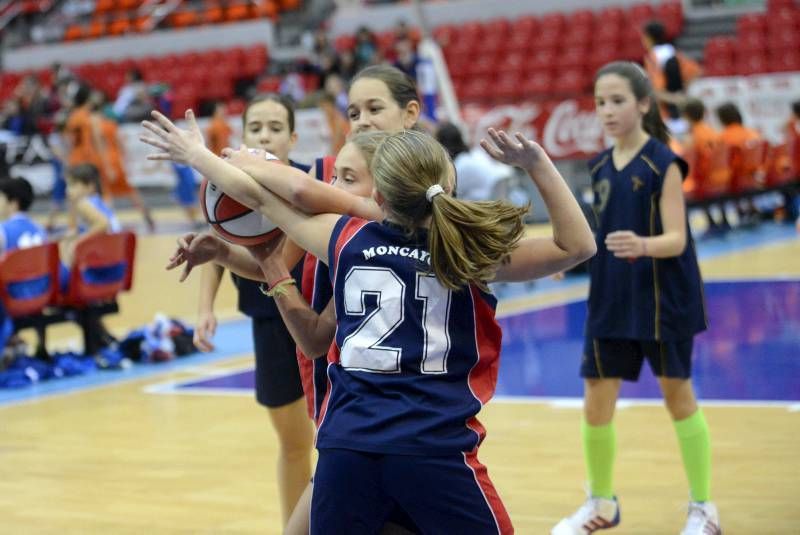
(566, 130)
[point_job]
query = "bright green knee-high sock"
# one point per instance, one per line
(600, 450)
(695, 442)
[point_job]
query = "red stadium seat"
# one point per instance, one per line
(32, 265)
(266, 9)
(610, 15)
(572, 82)
(552, 21)
(572, 58)
(483, 66)
(752, 23)
(543, 60)
(478, 89)
(787, 61)
(508, 86)
(751, 64)
(526, 26)
(538, 85)
(497, 28)
(101, 253)
(581, 17)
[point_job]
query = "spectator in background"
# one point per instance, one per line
(133, 102)
(17, 231)
(366, 48)
(292, 84)
(347, 66)
(338, 124)
(335, 86)
(700, 144)
(218, 134)
(406, 57)
(736, 138)
(793, 149)
(477, 175)
(670, 73)
(793, 137)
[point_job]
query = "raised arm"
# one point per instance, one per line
(572, 241)
(185, 146)
(305, 192)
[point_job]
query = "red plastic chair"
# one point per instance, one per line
(26, 265)
(109, 254)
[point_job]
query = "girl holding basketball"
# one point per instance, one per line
(375, 448)
(268, 124)
(646, 297)
(381, 98)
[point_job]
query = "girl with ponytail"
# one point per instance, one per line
(416, 346)
(645, 299)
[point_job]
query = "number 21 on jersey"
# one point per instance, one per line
(363, 349)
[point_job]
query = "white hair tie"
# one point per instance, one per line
(433, 191)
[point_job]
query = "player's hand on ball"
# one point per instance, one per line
(173, 143)
(519, 151)
(625, 244)
(194, 250)
(243, 156)
(204, 331)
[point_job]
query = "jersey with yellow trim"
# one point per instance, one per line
(648, 298)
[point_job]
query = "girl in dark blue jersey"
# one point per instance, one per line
(416, 349)
(646, 297)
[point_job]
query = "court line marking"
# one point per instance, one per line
(104, 379)
(624, 403)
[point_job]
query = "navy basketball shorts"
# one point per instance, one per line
(623, 359)
(355, 492)
(277, 374)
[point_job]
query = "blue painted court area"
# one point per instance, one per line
(751, 352)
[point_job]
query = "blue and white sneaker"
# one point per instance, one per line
(703, 519)
(593, 515)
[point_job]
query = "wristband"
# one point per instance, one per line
(279, 287)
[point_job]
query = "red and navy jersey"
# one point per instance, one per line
(317, 291)
(412, 362)
(649, 298)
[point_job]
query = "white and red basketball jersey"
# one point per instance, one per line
(412, 362)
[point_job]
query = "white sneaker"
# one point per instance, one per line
(702, 519)
(594, 514)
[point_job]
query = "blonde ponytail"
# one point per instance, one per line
(466, 239)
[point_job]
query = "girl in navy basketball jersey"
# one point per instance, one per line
(268, 124)
(380, 98)
(416, 349)
(646, 298)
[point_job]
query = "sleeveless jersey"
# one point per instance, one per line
(20, 232)
(317, 291)
(113, 223)
(412, 362)
(650, 298)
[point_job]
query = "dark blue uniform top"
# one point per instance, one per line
(412, 362)
(252, 302)
(650, 298)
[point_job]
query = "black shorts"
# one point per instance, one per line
(621, 358)
(277, 374)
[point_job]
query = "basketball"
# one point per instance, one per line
(233, 221)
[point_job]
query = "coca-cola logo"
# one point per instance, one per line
(509, 118)
(570, 130)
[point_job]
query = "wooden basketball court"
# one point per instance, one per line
(123, 454)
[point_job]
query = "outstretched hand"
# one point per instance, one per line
(173, 143)
(194, 250)
(520, 151)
